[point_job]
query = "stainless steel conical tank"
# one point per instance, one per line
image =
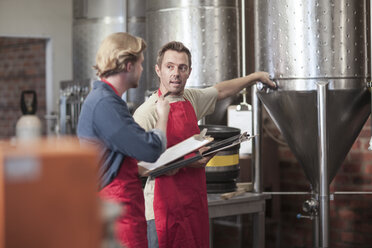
(302, 43)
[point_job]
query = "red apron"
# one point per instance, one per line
(126, 189)
(180, 201)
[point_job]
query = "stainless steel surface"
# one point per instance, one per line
(287, 193)
(219, 207)
(256, 142)
(96, 19)
(316, 232)
(208, 28)
(295, 113)
(323, 166)
(93, 21)
(311, 39)
(309, 84)
(244, 50)
(369, 85)
(352, 193)
(311, 206)
(301, 43)
(136, 25)
(248, 203)
(259, 230)
(71, 97)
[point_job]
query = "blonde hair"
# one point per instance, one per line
(115, 51)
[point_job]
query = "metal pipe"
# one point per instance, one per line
(256, 121)
(256, 142)
(63, 114)
(309, 193)
(243, 55)
(243, 39)
(323, 168)
(369, 84)
(370, 89)
(287, 193)
(315, 230)
(352, 193)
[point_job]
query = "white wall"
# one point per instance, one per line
(50, 19)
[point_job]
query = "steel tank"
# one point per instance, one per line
(301, 44)
(209, 29)
(96, 19)
(317, 53)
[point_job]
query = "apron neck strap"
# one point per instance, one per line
(109, 84)
(159, 92)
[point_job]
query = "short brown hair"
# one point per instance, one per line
(115, 51)
(175, 46)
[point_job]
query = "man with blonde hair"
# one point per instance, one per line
(106, 122)
(177, 205)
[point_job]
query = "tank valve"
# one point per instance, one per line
(261, 86)
(311, 206)
(300, 216)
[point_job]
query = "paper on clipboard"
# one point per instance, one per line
(179, 150)
(213, 149)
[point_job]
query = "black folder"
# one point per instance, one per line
(214, 148)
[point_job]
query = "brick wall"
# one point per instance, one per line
(22, 67)
(351, 215)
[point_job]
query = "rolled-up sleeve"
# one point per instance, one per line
(161, 136)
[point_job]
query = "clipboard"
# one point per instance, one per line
(178, 151)
(227, 143)
(214, 148)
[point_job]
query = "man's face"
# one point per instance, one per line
(173, 72)
(137, 72)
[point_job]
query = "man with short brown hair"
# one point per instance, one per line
(178, 203)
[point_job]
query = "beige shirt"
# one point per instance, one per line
(203, 102)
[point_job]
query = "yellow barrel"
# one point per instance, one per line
(223, 169)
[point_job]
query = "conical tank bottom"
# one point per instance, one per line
(295, 114)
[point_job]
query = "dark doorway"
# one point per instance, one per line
(22, 67)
